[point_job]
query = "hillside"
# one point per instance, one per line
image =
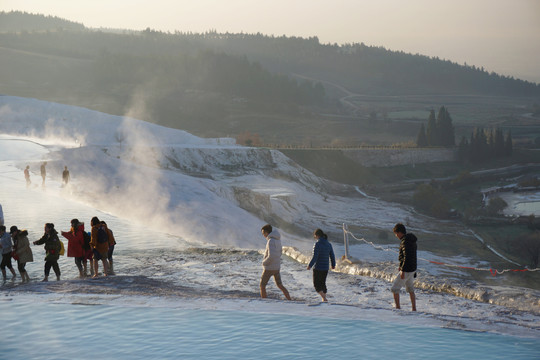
(226, 84)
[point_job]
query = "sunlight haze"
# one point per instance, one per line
(499, 35)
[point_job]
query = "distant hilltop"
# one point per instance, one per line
(286, 90)
(360, 68)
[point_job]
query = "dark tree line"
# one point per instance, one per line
(206, 71)
(485, 145)
(22, 21)
(439, 132)
(358, 67)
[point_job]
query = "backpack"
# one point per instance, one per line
(102, 235)
(62, 249)
(86, 241)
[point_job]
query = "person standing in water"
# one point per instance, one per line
(112, 243)
(272, 261)
(65, 175)
(43, 172)
(323, 254)
(52, 250)
(22, 250)
(75, 237)
(27, 175)
(99, 240)
(7, 247)
(407, 265)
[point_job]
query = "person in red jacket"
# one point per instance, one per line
(75, 244)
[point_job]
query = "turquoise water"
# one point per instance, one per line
(528, 208)
(65, 331)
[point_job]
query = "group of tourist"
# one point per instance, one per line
(43, 171)
(323, 258)
(98, 245)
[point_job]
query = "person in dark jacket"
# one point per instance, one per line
(100, 246)
(407, 265)
(323, 253)
(52, 250)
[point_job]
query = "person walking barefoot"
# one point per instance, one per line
(99, 240)
(52, 250)
(272, 261)
(407, 265)
(22, 251)
(7, 248)
(323, 254)
(75, 237)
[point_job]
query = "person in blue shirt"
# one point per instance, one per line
(323, 254)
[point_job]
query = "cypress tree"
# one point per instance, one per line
(491, 143)
(445, 129)
(421, 139)
(508, 144)
(499, 143)
(473, 147)
(463, 149)
(431, 132)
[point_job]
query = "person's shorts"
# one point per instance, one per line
(407, 282)
(267, 274)
(98, 255)
(6, 261)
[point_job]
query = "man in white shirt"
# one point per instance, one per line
(272, 260)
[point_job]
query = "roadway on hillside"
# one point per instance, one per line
(507, 170)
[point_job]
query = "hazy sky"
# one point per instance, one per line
(501, 35)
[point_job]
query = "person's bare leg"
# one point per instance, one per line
(323, 296)
(285, 292)
(96, 264)
(13, 273)
(263, 291)
(396, 300)
(105, 267)
(413, 301)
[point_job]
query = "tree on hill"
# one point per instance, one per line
(431, 200)
(529, 247)
(499, 147)
(440, 131)
(445, 129)
(495, 206)
(421, 139)
(508, 145)
(17, 21)
(463, 149)
(485, 145)
(432, 129)
(360, 68)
